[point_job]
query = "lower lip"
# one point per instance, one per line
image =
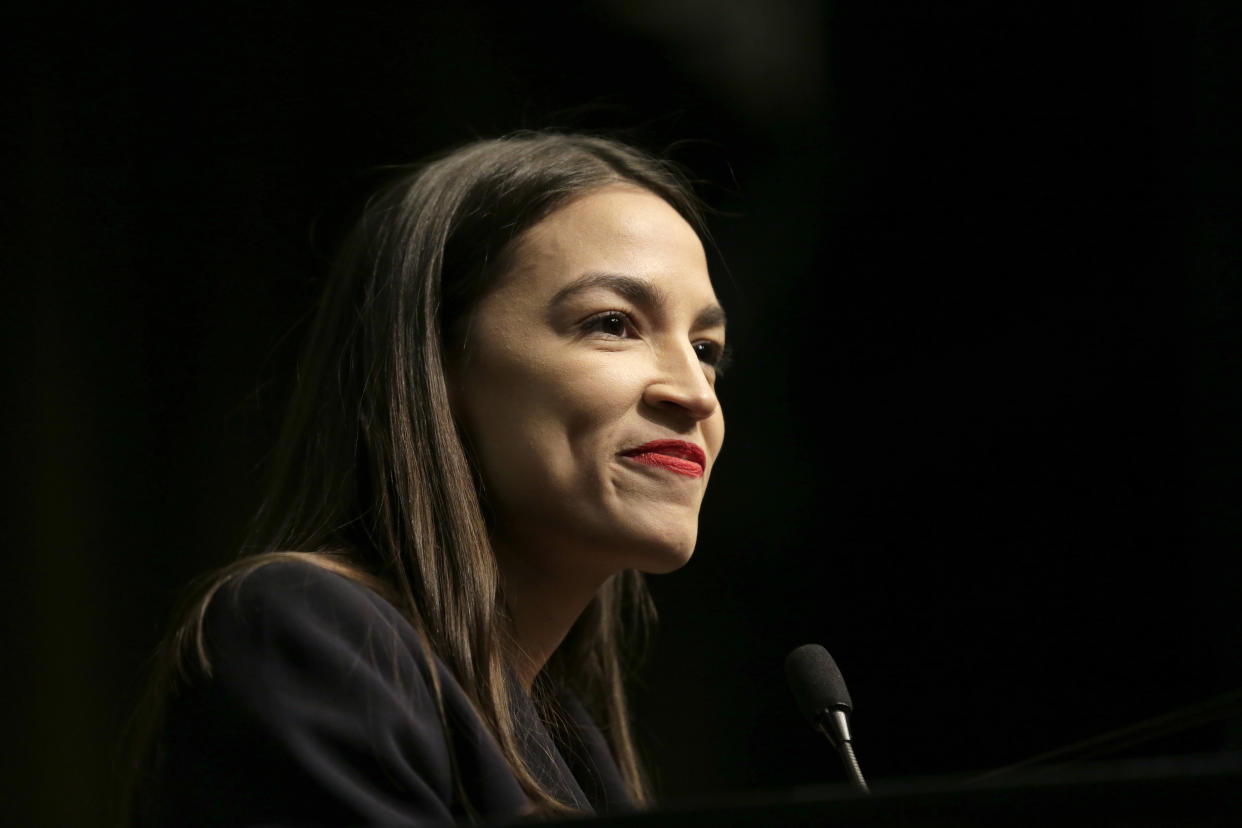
(673, 464)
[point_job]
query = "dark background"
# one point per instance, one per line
(983, 276)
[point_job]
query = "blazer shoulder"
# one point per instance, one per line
(299, 585)
(291, 614)
(318, 706)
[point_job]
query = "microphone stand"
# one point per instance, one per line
(835, 726)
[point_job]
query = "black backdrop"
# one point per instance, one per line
(983, 275)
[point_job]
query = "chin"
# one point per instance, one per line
(663, 555)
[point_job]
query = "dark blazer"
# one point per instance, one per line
(318, 711)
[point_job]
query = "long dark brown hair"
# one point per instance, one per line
(371, 477)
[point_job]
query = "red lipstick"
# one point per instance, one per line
(675, 455)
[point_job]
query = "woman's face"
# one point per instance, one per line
(587, 387)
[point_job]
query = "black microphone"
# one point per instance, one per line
(820, 691)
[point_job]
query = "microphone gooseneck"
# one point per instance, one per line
(820, 692)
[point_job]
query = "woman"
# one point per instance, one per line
(505, 412)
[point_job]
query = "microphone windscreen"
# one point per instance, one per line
(816, 682)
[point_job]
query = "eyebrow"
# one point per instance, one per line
(638, 291)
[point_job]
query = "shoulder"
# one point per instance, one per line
(296, 597)
(318, 705)
(297, 584)
(289, 626)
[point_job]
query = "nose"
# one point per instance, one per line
(680, 384)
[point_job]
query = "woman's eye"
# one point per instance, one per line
(713, 354)
(612, 323)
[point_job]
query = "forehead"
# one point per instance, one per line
(617, 229)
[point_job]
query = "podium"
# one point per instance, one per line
(1180, 793)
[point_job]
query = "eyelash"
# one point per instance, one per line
(716, 356)
(596, 323)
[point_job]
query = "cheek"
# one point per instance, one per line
(590, 399)
(552, 423)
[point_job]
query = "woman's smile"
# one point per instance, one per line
(676, 456)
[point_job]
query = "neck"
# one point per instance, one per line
(544, 601)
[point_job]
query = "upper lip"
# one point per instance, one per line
(673, 448)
